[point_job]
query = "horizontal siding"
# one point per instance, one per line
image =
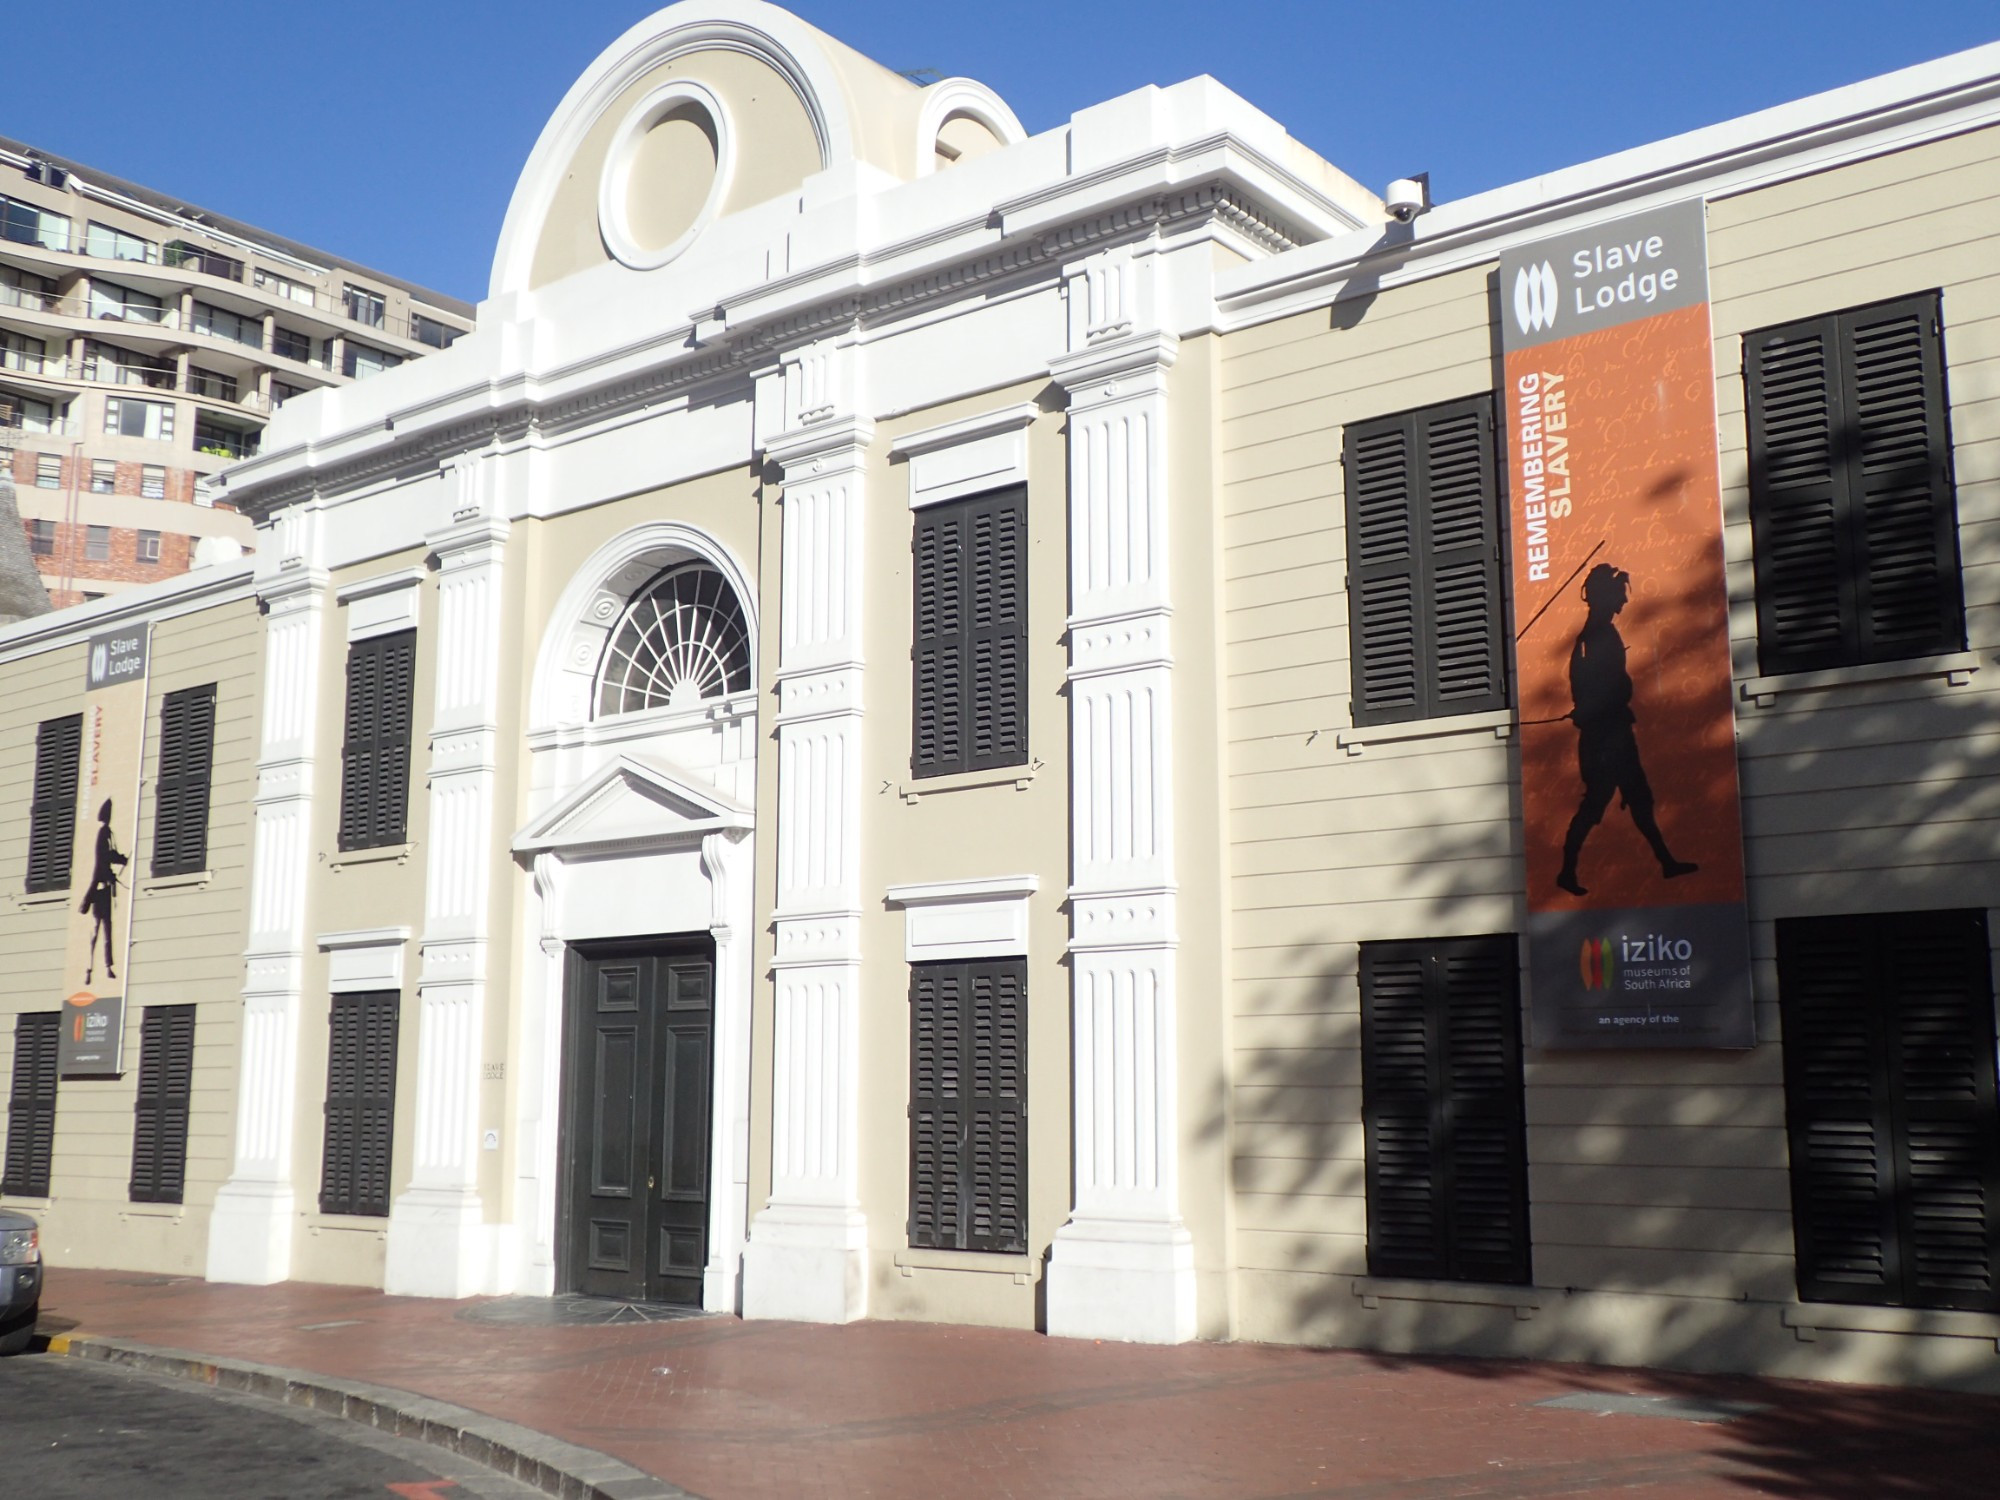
(1648, 1170)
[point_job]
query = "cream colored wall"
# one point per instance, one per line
(776, 150)
(187, 947)
(962, 828)
(1658, 1181)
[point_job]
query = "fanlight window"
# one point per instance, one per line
(680, 640)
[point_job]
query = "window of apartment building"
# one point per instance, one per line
(375, 752)
(181, 785)
(28, 355)
(364, 306)
(222, 442)
(48, 471)
(124, 304)
(1441, 1108)
(153, 481)
(97, 544)
(25, 414)
(31, 1105)
(135, 419)
(360, 1104)
(20, 288)
(360, 361)
(148, 550)
(211, 384)
(969, 1105)
(103, 476)
(281, 393)
(116, 366)
(1890, 1102)
(199, 258)
(160, 1112)
(1853, 516)
(970, 709)
(107, 243)
(25, 224)
(221, 323)
(1424, 534)
(438, 335)
(291, 344)
(282, 286)
(42, 538)
(52, 803)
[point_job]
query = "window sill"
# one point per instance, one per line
(1807, 1319)
(195, 878)
(1374, 1290)
(381, 854)
(1956, 669)
(1498, 722)
(40, 899)
(350, 1224)
(153, 1211)
(1020, 1267)
(27, 1203)
(1019, 777)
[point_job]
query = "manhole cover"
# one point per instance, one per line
(1678, 1408)
(543, 1312)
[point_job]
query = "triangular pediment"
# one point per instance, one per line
(632, 801)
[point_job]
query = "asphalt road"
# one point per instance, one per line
(74, 1429)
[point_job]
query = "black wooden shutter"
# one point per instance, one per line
(1890, 1100)
(1442, 1110)
(1853, 517)
(1425, 609)
(375, 754)
(52, 808)
(31, 1106)
(160, 1114)
(360, 1104)
(970, 699)
(968, 1106)
(180, 791)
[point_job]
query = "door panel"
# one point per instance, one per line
(638, 1086)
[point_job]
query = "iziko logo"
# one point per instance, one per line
(1535, 297)
(1596, 963)
(100, 661)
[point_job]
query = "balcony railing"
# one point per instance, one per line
(180, 254)
(31, 301)
(145, 313)
(16, 424)
(27, 362)
(217, 442)
(110, 372)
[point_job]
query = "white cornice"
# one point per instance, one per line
(203, 588)
(966, 429)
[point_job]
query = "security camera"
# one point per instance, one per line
(1408, 196)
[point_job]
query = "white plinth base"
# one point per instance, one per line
(440, 1245)
(807, 1264)
(250, 1233)
(1134, 1282)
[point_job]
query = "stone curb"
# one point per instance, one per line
(549, 1464)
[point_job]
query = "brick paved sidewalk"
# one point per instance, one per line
(729, 1409)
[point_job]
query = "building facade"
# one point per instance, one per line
(926, 722)
(144, 344)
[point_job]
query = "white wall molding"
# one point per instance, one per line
(968, 456)
(364, 959)
(960, 919)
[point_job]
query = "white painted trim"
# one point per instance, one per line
(380, 583)
(383, 605)
(969, 456)
(960, 919)
(962, 96)
(991, 888)
(365, 959)
(614, 182)
(361, 937)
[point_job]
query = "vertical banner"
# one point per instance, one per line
(1637, 935)
(107, 818)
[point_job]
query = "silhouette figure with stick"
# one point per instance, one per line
(103, 888)
(1607, 746)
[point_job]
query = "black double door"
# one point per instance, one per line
(638, 1081)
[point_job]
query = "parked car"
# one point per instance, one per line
(20, 1279)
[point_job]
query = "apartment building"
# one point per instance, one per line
(1090, 732)
(144, 344)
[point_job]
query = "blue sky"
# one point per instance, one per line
(392, 133)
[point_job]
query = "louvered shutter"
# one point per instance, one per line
(996, 613)
(31, 1105)
(52, 805)
(937, 1116)
(1890, 1103)
(996, 1112)
(938, 711)
(180, 790)
(1442, 1111)
(360, 1104)
(1853, 518)
(160, 1113)
(1425, 610)
(375, 754)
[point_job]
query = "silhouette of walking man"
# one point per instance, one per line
(1607, 749)
(98, 896)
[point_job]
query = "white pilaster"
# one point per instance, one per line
(807, 1256)
(439, 1243)
(250, 1227)
(1122, 1267)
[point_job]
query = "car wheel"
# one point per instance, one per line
(16, 1339)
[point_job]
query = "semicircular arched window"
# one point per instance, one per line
(680, 640)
